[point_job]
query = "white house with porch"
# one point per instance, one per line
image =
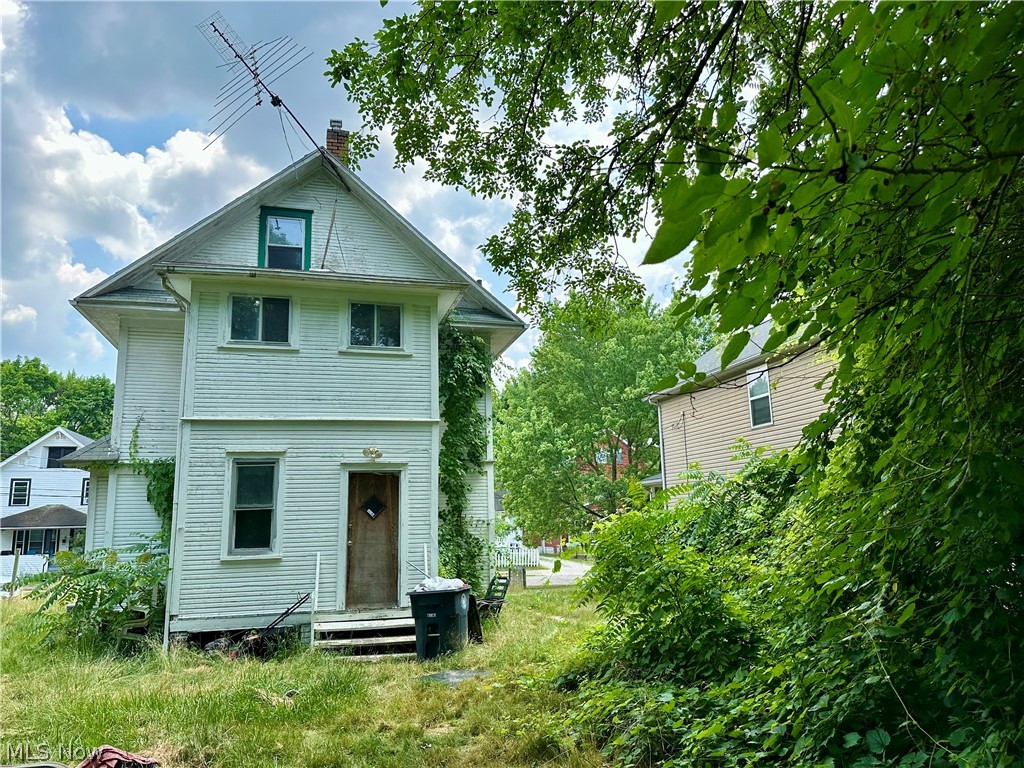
(284, 351)
(43, 501)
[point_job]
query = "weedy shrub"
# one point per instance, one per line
(759, 622)
(107, 598)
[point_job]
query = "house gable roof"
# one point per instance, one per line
(133, 285)
(63, 431)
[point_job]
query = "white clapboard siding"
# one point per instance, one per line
(360, 242)
(208, 586)
(316, 378)
(700, 427)
(134, 518)
(96, 521)
(149, 388)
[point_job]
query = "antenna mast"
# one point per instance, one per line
(275, 58)
(255, 66)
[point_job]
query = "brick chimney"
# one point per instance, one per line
(337, 141)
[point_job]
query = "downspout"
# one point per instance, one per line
(661, 448)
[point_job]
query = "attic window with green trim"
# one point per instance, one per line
(285, 238)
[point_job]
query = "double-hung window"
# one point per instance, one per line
(759, 397)
(253, 502)
(375, 325)
(285, 238)
(20, 492)
(260, 318)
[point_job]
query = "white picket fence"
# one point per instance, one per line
(506, 557)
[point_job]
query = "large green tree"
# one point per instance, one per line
(580, 403)
(851, 170)
(35, 399)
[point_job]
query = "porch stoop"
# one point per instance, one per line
(368, 638)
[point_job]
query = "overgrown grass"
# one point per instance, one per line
(190, 709)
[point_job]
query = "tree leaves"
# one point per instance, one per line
(683, 205)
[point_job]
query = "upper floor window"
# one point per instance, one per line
(85, 490)
(285, 238)
(20, 492)
(55, 454)
(375, 325)
(759, 396)
(260, 318)
(604, 456)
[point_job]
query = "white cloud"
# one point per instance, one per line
(64, 186)
(12, 14)
(19, 314)
(93, 191)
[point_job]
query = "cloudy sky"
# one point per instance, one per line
(106, 111)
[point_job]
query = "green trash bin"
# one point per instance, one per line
(442, 621)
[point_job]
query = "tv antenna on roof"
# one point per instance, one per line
(251, 70)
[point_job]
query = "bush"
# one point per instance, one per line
(753, 623)
(112, 597)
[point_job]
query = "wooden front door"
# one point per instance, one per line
(372, 540)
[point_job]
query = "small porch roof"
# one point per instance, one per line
(46, 516)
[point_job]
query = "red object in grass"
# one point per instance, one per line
(112, 757)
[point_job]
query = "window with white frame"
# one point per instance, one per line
(253, 502)
(759, 396)
(85, 490)
(285, 238)
(260, 318)
(20, 492)
(375, 325)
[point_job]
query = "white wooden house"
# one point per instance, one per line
(43, 502)
(285, 351)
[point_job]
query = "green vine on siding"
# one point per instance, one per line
(464, 376)
(159, 474)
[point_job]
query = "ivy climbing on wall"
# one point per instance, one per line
(464, 375)
(159, 474)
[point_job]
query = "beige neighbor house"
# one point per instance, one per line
(765, 399)
(284, 351)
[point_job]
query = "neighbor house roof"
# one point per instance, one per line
(97, 451)
(46, 516)
(121, 286)
(654, 481)
(751, 354)
(75, 437)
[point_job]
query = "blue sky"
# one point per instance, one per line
(105, 112)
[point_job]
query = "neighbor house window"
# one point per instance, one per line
(260, 318)
(285, 238)
(36, 541)
(252, 507)
(55, 454)
(759, 395)
(85, 490)
(375, 325)
(20, 492)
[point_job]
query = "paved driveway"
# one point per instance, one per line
(570, 573)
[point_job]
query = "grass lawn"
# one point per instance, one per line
(189, 709)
